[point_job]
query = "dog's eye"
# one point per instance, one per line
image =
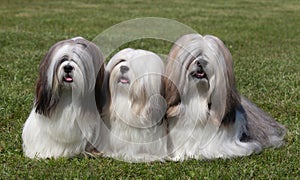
(121, 60)
(201, 63)
(64, 58)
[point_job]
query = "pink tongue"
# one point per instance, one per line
(68, 79)
(200, 74)
(123, 80)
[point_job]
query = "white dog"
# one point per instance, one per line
(207, 117)
(135, 109)
(65, 120)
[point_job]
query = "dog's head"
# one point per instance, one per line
(71, 65)
(136, 78)
(202, 65)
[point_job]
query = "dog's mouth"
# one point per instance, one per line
(199, 74)
(123, 80)
(68, 78)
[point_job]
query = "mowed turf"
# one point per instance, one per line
(263, 37)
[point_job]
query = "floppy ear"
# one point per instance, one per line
(98, 62)
(100, 89)
(225, 90)
(172, 97)
(45, 99)
(171, 82)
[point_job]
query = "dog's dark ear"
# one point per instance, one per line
(172, 97)
(45, 100)
(100, 88)
(173, 80)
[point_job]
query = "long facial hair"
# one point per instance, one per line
(65, 116)
(221, 93)
(81, 53)
(136, 106)
(144, 85)
(200, 89)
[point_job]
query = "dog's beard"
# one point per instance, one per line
(190, 78)
(68, 80)
(210, 70)
(195, 105)
(136, 106)
(68, 67)
(132, 99)
(136, 100)
(76, 71)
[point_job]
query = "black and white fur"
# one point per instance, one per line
(64, 120)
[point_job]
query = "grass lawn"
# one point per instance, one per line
(263, 37)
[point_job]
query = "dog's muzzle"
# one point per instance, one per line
(68, 69)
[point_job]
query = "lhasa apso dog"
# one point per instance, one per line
(65, 120)
(207, 117)
(136, 107)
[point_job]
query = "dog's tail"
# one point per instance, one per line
(261, 126)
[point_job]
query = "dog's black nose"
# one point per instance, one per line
(68, 68)
(198, 64)
(124, 69)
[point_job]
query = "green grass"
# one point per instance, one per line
(263, 37)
